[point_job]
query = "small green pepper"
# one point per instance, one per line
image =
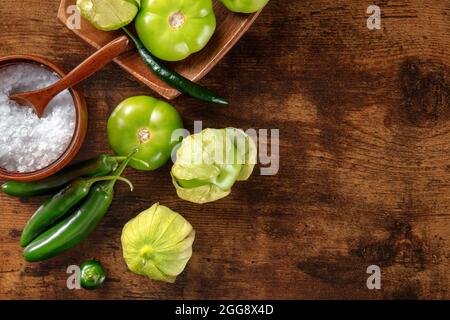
(76, 227)
(92, 274)
(59, 205)
(97, 167)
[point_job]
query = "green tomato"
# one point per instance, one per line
(174, 29)
(147, 124)
(92, 274)
(244, 6)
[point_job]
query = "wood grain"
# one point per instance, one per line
(364, 159)
(230, 28)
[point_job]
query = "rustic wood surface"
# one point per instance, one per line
(364, 159)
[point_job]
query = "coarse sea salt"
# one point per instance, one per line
(29, 143)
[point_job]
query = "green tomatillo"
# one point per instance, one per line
(244, 6)
(210, 162)
(147, 124)
(108, 15)
(157, 243)
(174, 29)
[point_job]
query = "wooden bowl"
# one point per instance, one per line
(230, 28)
(80, 124)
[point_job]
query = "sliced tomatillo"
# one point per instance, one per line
(209, 163)
(174, 29)
(108, 15)
(244, 6)
(147, 124)
(157, 243)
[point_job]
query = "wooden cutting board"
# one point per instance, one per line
(230, 28)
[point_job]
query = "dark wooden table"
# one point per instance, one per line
(364, 159)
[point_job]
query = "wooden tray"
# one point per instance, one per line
(230, 28)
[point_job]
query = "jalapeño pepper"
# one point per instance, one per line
(99, 166)
(58, 206)
(73, 229)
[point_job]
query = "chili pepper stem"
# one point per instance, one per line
(94, 180)
(122, 167)
(119, 158)
(128, 33)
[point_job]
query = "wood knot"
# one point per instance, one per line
(402, 247)
(425, 92)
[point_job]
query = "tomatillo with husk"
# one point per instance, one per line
(148, 125)
(209, 163)
(174, 29)
(157, 243)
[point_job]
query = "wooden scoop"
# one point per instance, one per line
(39, 99)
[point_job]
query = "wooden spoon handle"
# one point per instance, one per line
(95, 62)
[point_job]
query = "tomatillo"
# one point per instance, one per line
(210, 162)
(108, 15)
(174, 29)
(157, 243)
(147, 124)
(244, 6)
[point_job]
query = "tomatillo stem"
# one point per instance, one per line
(144, 135)
(176, 20)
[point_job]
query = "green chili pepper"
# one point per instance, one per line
(99, 166)
(72, 230)
(92, 274)
(59, 205)
(171, 77)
